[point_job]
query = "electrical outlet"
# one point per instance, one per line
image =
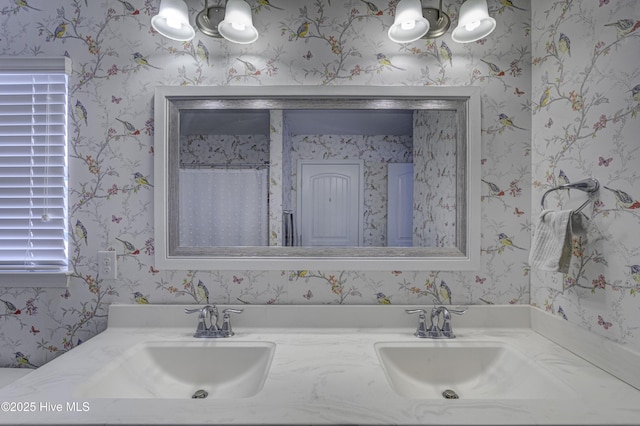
(107, 265)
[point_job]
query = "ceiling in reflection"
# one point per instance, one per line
(298, 122)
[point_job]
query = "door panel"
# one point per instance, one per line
(329, 202)
(400, 205)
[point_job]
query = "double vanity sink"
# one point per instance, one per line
(335, 364)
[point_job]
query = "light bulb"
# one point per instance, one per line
(238, 26)
(173, 23)
(408, 25)
(470, 26)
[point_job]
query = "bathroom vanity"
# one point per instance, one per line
(333, 365)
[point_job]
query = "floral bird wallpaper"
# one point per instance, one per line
(584, 105)
(560, 95)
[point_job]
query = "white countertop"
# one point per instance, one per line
(331, 374)
(10, 375)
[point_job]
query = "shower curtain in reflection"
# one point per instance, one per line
(223, 207)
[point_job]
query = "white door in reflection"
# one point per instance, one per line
(330, 199)
(400, 205)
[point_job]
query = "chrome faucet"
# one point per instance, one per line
(434, 331)
(208, 321)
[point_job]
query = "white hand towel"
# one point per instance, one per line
(552, 244)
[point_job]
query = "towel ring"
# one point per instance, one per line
(589, 185)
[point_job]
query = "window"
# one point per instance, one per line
(33, 172)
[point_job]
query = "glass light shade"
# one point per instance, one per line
(238, 25)
(409, 24)
(172, 21)
(474, 22)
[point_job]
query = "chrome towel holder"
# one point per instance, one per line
(589, 185)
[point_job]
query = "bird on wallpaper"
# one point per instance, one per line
(493, 69)
(303, 30)
(141, 60)
(268, 4)
(445, 291)
(60, 30)
(140, 299)
(23, 3)
(563, 179)
(561, 312)
(545, 98)
(128, 247)
(383, 299)
(141, 180)
(81, 112)
(635, 273)
(81, 231)
(300, 274)
(372, 9)
(506, 241)
(130, 128)
(383, 60)
(507, 122)
(23, 361)
(202, 51)
(624, 26)
(249, 67)
(202, 291)
(128, 7)
(10, 308)
(635, 93)
(509, 3)
(624, 200)
(564, 44)
(494, 190)
(445, 53)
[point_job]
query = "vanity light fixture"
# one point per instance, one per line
(409, 24)
(474, 22)
(413, 22)
(230, 19)
(172, 21)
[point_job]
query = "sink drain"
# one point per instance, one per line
(200, 394)
(450, 394)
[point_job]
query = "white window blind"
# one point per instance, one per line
(33, 172)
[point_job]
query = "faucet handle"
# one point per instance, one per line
(447, 330)
(226, 330)
(422, 322)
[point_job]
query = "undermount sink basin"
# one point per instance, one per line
(222, 369)
(472, 370)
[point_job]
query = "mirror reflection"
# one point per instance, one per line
(318, 177)
(224, 171)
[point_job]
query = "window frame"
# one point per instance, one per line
(40, 278)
